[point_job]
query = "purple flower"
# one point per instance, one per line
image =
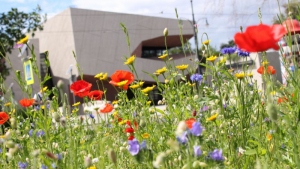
(196, 129)
(38, 134)
(134, 114)
(183, 138)
(59, 156)
(92, 116)
(53, 165)
(22, 165)
(1, 150)
(266, 119)
(32, 125)
(224, 105)
(48, 106)
(134, 146)
(251, 123)
(282, 145)
(229, 50)
(18, 45)
(44, 167)
(217, 155)
(204, 108)
(197, 151)
(37, 107)
(219, 73)
(196, 77)
(30, 132)
(144, 145)
(242, 53)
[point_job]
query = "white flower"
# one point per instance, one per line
(95, 160)
(241, 150)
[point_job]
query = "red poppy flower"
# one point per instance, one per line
(81, 88)
(190, 122)
(281, 100)
(136, 126)
(129, 130)
(260, 37)
(131, 137)
(108, 108)
(261, 70)
(26, 102)
(3, 117)
(120, 76)
(96, 94)
(120, 119)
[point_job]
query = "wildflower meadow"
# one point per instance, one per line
(220, 119)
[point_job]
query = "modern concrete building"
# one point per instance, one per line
(99, 43)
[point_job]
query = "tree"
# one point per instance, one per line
(291, 10)
(229, 44)
(13, 27)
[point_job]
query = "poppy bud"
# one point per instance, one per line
(10, 144)
(18, 72)
(185, 166)
(13, 122)
(142, 123)
(112, 156)
(194, 112)
(60, 84)
(63, 121)
(50, 155)
(272, 111)
(166, 32)
(159, 102)
(56, 117)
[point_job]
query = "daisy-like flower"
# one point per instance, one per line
(115, 102)
(212, 58)
(264, 63)
(148, 102)
(148, 89)
(137, 85)
(123, 83)
(239, 75)
(250, 74)
(44, 89)
(99, 75)
(163, 70)
(182, 67)
(7, 104)
(104, 77)
(130, 60)
(157, 74)
(76, 104)
(213, 118)
(273, 93)
(24, 40)
(122, 122)
(206, 42)
(146, 135)
(163, 56)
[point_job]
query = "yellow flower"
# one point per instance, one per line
(230, 70)
(76, 104)
(273, 93)
(264, 63)
(206, 42)
(146, 135)
(123, 83)
(213, 118)
(250, 74)
(182, 67)
(259, 90)
(157, 74)
(269, 137)
(130, 60)
(146, 94)
(166, 80)
(163, 70)
(44, 89)
(106, 134)
(223, 60)
(163, 56)
(115, 113)
(75, 110)
(104, 77)
(24, 40)
(83, 141)
(7, 104)
(99, 75)
(192, 84)
(122, 122)
(148, 102)
(212, 58)
(137, 85)
(148, 89)
(239, 75)
(43, 107)
(92, 167)
(115, 102)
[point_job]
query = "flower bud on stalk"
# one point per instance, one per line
(166, 32)
(56, 117)
(60, 84)
(272, 111)
(13, 122)
(112, 156)
(142, 123)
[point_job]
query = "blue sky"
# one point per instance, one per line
(224, 16)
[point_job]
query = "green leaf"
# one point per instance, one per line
(250, 152)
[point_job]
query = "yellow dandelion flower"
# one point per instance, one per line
(182, 67)
(250, 74)
(83, 141)
(75, 110)
(24, 40)
(130, 60)
(123, 83)
(122, 122)
(223, 60)
(104, 77)
(213, 118)
(264, 63)
(76, 104)
(212, 58)
(92, 167)
(206, 42)
(163, 70)
(106, 134)
(273, 93)
(148, 102)
(163, 56)
(146, 135)
(7, 104)
(43, 107)
(44, 89)
(148, 89)
(157, 74)
(115, 102)
(99, 75)
(239, 75)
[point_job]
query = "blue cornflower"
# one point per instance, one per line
(292, 68)
(38, 134)
(53, 165)
(251, 123)
(229, 50)
(30, 132)
(1, 150)
(48, 106)
(59, 156)
(242, 53)
(218, 73)
(217, 155)
(134, 146)
(22, 165)
(134, 114)
(183, 138)
(224, 105)
(282, 145)
(92, 116)
(204, 108)
(37, 107)
(44, 167)
(197, 151)
(144, 145)
(196, 129)
(196, 77)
